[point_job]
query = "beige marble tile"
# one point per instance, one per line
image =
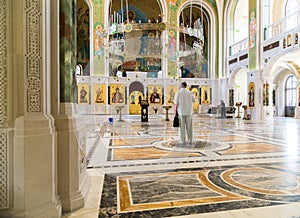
(91, 206)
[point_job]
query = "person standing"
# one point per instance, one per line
(184, 100)
(223, 109)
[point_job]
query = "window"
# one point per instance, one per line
(291, 7)
(290, 91)
(241, 21)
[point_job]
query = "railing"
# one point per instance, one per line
(282, 26)
(238, 47)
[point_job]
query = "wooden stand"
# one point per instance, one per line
(119, 111)
(238, 104)
(167, 107)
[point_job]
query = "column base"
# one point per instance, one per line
(72, 201)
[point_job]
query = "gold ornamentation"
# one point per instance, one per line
(128, 28)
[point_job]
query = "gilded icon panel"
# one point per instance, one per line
(266, 94)
(99, 91)
(134, 106)
(117, 93)
(205, 94)
(251, 94)
(83, 93)
(171, 91)
(155, 94)
(195, 91)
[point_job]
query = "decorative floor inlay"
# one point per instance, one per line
(147, 153)
(159, 191)
(184, 192)
(231, 165)
(224, 138)
(252, 148)
(135, 141)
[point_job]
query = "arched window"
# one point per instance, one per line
(238, 26)
(291, 91)
(241, 21)
(291, 7)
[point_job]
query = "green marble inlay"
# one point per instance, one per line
(68, 48)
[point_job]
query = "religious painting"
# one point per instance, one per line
(135, 97)
(252, 30)
(231, 97)
(98, 39)
(252, 35)
(266, 94)
(205, 94)
(99, 91)
(284, 43)
(117, 93)
(195, 91)
(155, 94)
(299, 96)
(170, 92)
(172, 45)
(251, 94)
(83, 36)
(83, 93)
(289, 40)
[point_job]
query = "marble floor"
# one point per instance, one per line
(234, 168)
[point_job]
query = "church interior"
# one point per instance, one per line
(87, 108)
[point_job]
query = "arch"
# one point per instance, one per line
(284, 61)
(136, 86)
(208, 11)
(235, 72)
(161, 3)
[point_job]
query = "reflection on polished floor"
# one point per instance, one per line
(234, 168)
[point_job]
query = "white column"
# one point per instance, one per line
(297, 109)
(34, 154)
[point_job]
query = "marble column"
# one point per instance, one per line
(33, 171)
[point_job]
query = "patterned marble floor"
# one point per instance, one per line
(234, 168)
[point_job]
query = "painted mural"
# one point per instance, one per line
(83, 36)
(252, 34)
(98, 37)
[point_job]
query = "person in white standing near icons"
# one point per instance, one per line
(184, 100)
